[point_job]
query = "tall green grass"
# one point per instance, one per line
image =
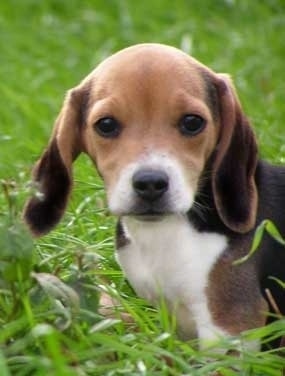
(49, 289)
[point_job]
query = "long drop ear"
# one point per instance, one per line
(52, 173)
(233, 178)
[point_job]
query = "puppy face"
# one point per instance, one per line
(149, 130)
(150, 117)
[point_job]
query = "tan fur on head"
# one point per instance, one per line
(148, 88)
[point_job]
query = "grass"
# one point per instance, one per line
(49, 289)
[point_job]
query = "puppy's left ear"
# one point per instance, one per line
(53, 173)
(233, 178)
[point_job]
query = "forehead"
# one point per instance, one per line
(148, 70)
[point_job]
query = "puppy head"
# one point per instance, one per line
(150, 117)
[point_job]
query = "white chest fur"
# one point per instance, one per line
(170, 258)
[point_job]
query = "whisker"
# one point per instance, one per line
(200, 210)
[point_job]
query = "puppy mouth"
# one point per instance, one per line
(150, 216)
(148, 212)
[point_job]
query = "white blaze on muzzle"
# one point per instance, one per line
(156, 183)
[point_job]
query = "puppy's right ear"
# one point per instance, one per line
(53, 172)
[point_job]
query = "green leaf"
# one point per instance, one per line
(274, 232)
(3, 366)
(271, 229)
(16, 252)
(255, 243)
(57, 290)
(281, 283)
(104, 324)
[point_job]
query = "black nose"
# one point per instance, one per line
(150, 184)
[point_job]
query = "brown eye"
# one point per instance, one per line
(107, 127)
(191, 125)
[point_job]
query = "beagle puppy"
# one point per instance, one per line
(181, 170)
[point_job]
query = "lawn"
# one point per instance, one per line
(49, 287)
